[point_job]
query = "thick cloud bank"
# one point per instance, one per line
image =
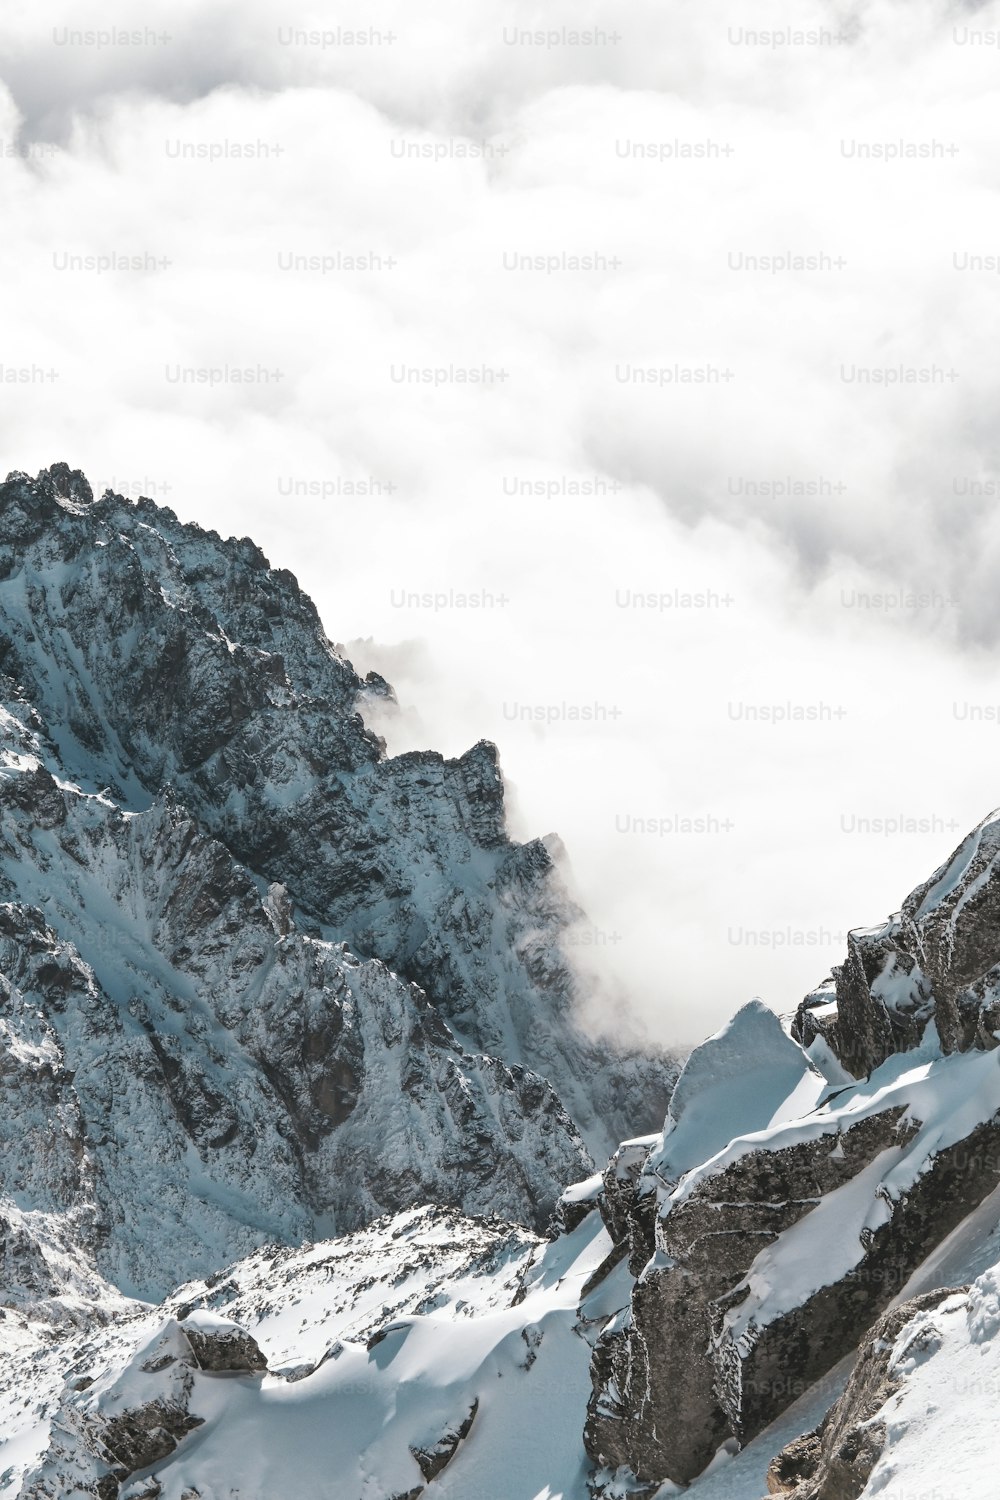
(625, 390)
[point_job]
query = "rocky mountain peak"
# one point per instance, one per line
(272, 971)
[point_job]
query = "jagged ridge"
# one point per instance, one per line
(260, 980)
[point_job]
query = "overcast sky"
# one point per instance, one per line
(671, 342)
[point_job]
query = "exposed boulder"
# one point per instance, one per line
(835, 1462)
(748, 1076)
(222, 1347)
(438, 1455)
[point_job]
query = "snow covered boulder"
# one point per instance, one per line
(748, 1076)
(220, 1346)
(439, 1454)
(139, 1407)
(575, 1203)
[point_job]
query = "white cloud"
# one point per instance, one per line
(687, 476)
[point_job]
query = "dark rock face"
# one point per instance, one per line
(224, 1349)
(796, 1463)
(686, 1372)
(938, 959)
(830, 1324)
(568, 1215)
(146, 1434)
(836, 1461)
(672, 1387)
(628, 1211)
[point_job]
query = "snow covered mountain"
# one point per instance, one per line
(260, 981)
(290, 1081)
(427, 1351)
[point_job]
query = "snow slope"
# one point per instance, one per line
(378, 1346)
(941, 1425)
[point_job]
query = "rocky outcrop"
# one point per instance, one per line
(675, 1382)
(221, 1347)
(627, 1207)
(772, 1258)
(136, 1416)
(835, 1462)
(937, 960)
(436, 1457)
